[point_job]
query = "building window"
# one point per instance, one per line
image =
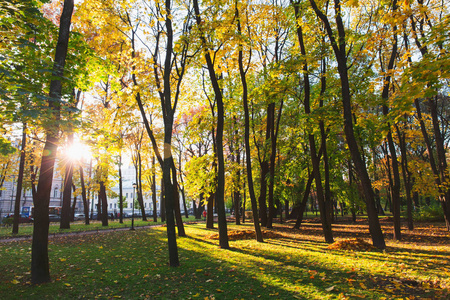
(126, 196)
(145, 204)
(115, 205)
(55, 193)
(110, 206)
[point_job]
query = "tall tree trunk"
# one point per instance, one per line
(162, 202)
(395, 187)
(302, 206)
(237, 192)
(139, 182)
(120, 190)
(268, 177)
(220, 193)
(339, 48)
(406, 177)
(315, 159)
(84, 196)
(40, 272)
(155, 213)
(67, 191)
(20, 180)
(177, 210)
(74, 204)
(273, 154)
(248, 157)
(104, 203)
(210, 211)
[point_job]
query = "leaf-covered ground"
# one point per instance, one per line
(290, 264)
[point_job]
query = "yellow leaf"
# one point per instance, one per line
(362, 285)
(199, 270)
(62, 259)
(196, 295)
(15, 281)
(330, 288)
(66, 284)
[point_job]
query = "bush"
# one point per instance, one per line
(431, 213)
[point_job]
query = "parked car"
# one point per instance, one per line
(54, 218)
(77, 217)
(9, 219)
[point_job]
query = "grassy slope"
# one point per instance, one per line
(133, 265)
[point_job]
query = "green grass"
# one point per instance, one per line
(79, 226)
(134, 265)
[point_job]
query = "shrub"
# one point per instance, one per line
(431, 213)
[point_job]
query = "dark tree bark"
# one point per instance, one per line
(210, 211)
(40, 272)
(67, 191)
(104, 203)
(237, 193)
(273, 154)
(395, 187)
(74, 204)
(302, 205)
(139, 186)
(84, 196)
(162, 201)
(120, 190)
(220, 193)
(406, 177)
(315, 159)
(155, 213)
(339, 48)
(20, 180)
(177, 210)
(248, 158)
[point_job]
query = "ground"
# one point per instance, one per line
(290, 264)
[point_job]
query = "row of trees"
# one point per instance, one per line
(276, 98)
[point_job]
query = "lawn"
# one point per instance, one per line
(26, 230)
(290, 264)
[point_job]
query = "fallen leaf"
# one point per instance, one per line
(330, 288)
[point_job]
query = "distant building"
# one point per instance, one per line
(9, 190)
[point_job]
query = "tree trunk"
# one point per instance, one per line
(67, 191)
(140, 194)
(315, 159)
(39, 253)
(20, 180)
(220, 193)
(104, 203)
(84, 196)
(210, 211)
(163, 201)
(395, 188)
(248, 157)
(339, 48)
(178, 218)
(237, 192)
(155, 213)
(74, 204)
(302, 206)
(120, 190)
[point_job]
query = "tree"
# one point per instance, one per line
(220, 201)
(339, 48)
(39, 253)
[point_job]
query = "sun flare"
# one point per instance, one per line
(78, 151)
